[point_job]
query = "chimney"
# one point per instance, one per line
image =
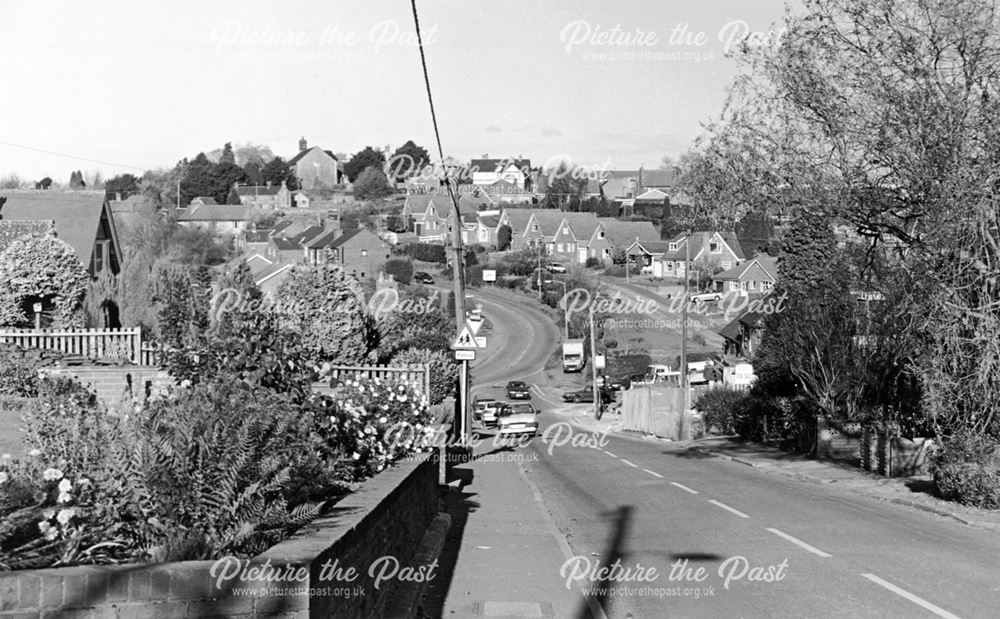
(302, 144)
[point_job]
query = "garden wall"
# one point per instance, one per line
(386, 517)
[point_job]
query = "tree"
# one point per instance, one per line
(41, 270)
(277, 171)
(76, 180)
(253, 174)
(45, 183)
(372, 184)
(369, 157)
(225, 176)
(755, 232)
(198, 180)
(563, 185)
(248, 153)
(504, 236)
(326, 307)
(123, 185)
(11, 181)
(408, 160)
(227, 155)
(401, 269)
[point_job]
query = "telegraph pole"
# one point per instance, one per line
(684, 321)
(463, 419)
(593, 363)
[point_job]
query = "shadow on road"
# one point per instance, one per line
(615, 551)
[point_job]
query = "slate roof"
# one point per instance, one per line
(490, 165)
(517, 219)
(582, 225)
(216, 212)
(548, 220)
(303, 153)
(624, 233)
(491, 221)
(770, 266)
(77, 215)
(284, 244)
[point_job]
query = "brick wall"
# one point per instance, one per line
(386, 517)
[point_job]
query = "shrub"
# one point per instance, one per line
(426, 252)
(444, 370)
(593, 262)
(967, 470)
(719, 406)
(18, 375)
(474, 276)
(400, 269)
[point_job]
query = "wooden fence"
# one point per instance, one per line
(116, 345)
(418, 372)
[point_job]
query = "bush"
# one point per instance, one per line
(426, 252)
(444, 370)
(720, 406)
(967, 470)
(18, 376)
(401, 269)
(474, 276)
(593, 262)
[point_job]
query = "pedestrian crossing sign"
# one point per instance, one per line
(466, 340)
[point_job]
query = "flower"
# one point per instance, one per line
(47, 530)
(65, 485)
(64, 515)
(52, 474)
(34, 453)
(3, 477)
(356, 456)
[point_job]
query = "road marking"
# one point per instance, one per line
(609, 453)
(629, 463)
(653, 473)
(940, 612)
(537, 390)
(727, 508)
(685, 488)
(800, 543)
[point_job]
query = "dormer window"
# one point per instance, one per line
(673, 247)
(535, 228)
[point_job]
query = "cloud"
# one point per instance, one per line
(494, 129)
(549, 132)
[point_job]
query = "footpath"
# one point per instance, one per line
(916, 491)
(503, 552)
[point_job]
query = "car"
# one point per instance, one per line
(706, 297)
(518, 390)
(423, 278)
(518, 419)
(478, 405)
(491, 412)
(618, 384)
(555, 267)
(585, 395)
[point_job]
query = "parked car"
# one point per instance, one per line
(518, 390)
(555, 267)
(422, 278)
(518, 419)
(491, 413)
(618, 384)
(585, 395)
(706, 297)
(479, 405)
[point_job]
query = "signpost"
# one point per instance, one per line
(465, 355)
(465, 346)
(489, 275)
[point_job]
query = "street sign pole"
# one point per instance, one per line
(463, 388)
(593, 365)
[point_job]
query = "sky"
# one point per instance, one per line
(123, 86)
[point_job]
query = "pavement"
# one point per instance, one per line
(916, 491)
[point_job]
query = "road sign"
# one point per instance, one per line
(481, 341)
(489, 275)
(474, 325)
(466, 340)
(465, 355)
(599, 362)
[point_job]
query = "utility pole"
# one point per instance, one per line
(684, 322)
(593, 364)
(178, 193)
(464, 417)
(539, 272)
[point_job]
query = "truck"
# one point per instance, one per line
(573, 357)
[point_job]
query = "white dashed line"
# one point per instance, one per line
(609, 453)
(629, 463)
(800, 543)
(683, 487)
(727, 508)
(940, 612)
(653, 473)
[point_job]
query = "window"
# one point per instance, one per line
(743, 285)
(765, 286)
(673, 247)
(715, 248)
(565, 229)
(726, 265)
(364, 252)
(600, 234)
(101, 257)
(559, 248)
(534, 228)
(752, 285)
(732, 285)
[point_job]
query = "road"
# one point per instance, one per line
(766, 546)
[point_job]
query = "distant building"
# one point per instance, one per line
(488, 171)
(315, 168)
(266, 197)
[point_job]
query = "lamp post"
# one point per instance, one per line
(593, 364)
(539, 255)
(565, 305)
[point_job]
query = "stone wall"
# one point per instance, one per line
(387, 517)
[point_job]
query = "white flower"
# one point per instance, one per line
(83, 481)
(383, 419)
(64, 497)
(64, 515)
(47, 530)
(3, 477)
(65, 485)
(49, 513)
(356, 456)
(34, 453)
(52, 474)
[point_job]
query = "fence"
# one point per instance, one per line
(418, 372)
(116, 345)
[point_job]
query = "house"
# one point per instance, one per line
(647, 255)
(315, 168)
(741, 336)
(287, 248)
(737, 373)
(755, 276)
(562, 234)
(359, 250)
(266, 197)
(486, 171)
(517, 220)
(203, 201)
(708, 250)
(430, 216)
(628, 186)
(486, 229)
(222, 218)
(612, 235)
(300, 199)
(83, 219)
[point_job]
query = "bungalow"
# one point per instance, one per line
(647, 254)
(223, 218)
(755, 276)
(517, 219)
(612, 234)
(84, 220)
(269, 196)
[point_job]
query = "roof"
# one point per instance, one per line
(768, 264)
(490, 165)
(491, 221)
(258, 190)
(518, 218)
(624, 233)
(698, 241)
(205, 200)
(732, 330)
(333, 237)
(256, 236)
(77, 215)
(653, 195)
(583, 225)
(216, 212)
(660, 178)
(271, 272)
(281, 225)
(303, 153)
(653, 247)
(11, 230)
(548, 220)
(284, 244)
